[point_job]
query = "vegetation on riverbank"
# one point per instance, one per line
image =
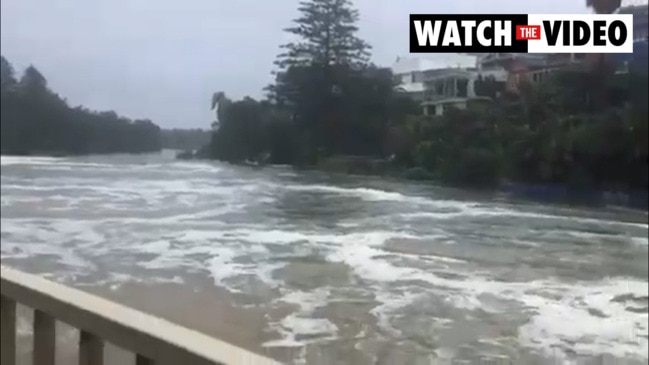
(37, 121)
(585, 128)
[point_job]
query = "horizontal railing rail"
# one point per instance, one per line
(150, 338)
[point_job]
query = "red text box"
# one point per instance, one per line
(528, 32)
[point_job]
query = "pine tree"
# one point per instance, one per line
(327, 36)
(604, 6)
(326, 39)
(312, 69)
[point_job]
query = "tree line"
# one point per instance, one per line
(37, 121)
(585, 128)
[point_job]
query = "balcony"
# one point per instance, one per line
(152, 340)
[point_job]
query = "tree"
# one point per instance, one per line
(604, 6)
(219, 104)
(312, 69)
(35, 120)
(583, 128)
(7, 74)
(601, 61)
(326, 31)
(239, 134)
(33, 80)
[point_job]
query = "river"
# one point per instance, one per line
(327, 269)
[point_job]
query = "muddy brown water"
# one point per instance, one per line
(326, 269)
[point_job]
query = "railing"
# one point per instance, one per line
(150, 338)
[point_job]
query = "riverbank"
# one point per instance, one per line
(537, 192)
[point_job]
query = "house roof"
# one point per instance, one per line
(633, 7)
(626, 3)
(433, 62)
(413, 87)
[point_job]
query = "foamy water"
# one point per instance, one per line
(341, 264)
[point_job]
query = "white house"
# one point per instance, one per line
(438, 81)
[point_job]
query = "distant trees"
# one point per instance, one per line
(35, 120)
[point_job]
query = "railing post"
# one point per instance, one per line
(100, 321)
(44, 339)
(7, 331)
(91, 349)
(142, 360)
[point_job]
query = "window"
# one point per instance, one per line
(462, 85)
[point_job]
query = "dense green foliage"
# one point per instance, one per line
(584, 128)
(579, 128)
(184, 139)
(35, 120)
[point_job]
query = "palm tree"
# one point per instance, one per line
(219, 101)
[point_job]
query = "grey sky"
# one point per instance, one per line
(162, 59)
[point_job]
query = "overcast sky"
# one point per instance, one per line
(162, 59)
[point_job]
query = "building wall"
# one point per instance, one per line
(640, 19)
(411, 73)
(439, 108)
(536, 70)
(421, 80)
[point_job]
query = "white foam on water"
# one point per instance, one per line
(368, 194)
(301, 322)
(362, 252)
(222, 267)
(22, 241)
(361, 259)
(477, 211)
(390, 304)
(58, 163)
(429, 257)
(569, 322)
(27, 160)
(458, 208)
(593, 237)
(550, 314)
(116, 280)
(196, 239)
(223, 264)
(189, 166)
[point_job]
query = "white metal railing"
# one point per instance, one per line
(150, 338)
